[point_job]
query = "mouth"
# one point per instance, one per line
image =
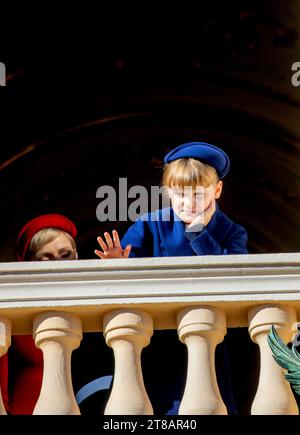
(188, 212)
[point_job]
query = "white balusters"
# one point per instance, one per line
(274, 395)
(201, 329)
(5, 340)
(128, 332)
(57, 334)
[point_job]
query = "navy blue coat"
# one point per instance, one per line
(154, 235)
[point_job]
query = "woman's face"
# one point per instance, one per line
(58, 249)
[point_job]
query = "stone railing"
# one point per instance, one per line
(128, 299)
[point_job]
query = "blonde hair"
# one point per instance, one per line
(189, 172)
(44, 236)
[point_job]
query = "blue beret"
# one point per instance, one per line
(203, 151)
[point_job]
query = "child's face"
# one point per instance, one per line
(189, 202)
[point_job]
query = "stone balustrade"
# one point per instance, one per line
(129, 299)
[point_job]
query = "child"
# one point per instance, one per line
(194, 225)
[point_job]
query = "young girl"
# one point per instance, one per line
(194, 225)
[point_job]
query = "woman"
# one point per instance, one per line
(45, 238)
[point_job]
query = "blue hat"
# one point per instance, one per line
(203, 151)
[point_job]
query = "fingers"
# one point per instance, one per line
(126, 251)
(102, 244)
(112, 248)
(100, 254)
(108, 240)
(200, 218)
(116, 239)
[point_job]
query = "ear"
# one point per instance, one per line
(218, 189)
(76, 253)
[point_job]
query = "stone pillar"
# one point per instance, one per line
(127, 332)
(5, 340)
(57, 334)
(274, 395)
(201, 329)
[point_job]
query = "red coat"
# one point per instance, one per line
(21, 375)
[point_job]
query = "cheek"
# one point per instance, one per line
(207, 201)
(209, 198)
(176, 202)
(200, 203)
(204, 202)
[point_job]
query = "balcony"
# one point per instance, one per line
(129, 300)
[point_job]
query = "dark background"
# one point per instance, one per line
(106, 95)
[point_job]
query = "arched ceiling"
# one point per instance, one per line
(84, 107)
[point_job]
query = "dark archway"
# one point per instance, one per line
(86, 105)
(81, 110)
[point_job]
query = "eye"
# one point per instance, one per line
(66, 254)
(177, 193)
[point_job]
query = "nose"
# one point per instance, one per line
(189, 201)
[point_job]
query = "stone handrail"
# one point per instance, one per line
(127, 299)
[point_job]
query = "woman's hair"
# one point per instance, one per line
(45, 236)
(189, 172)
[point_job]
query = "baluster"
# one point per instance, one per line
(5, 340)
(128, 332)
(57, 334)
(201, 329)
(274, 395)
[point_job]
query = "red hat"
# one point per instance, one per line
(39, 223)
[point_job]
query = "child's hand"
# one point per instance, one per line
(112, 248)
(203, 219)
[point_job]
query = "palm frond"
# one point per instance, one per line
(287, 358)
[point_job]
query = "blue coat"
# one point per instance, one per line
(154, 235)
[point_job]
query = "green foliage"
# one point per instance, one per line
(287, 358)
